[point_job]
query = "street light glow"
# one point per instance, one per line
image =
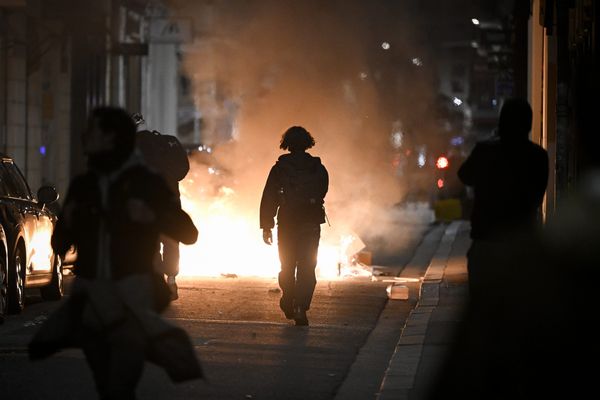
(475, 21)
(385, 45)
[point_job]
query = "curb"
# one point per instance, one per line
(402, 370)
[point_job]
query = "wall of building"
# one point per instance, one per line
(564, 43)
(34, 96)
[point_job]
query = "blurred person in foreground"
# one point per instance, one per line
(113, 214)
(165, 156)
(493, 351)
(571, 245)
(294, 193)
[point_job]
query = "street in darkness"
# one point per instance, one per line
(247, 347)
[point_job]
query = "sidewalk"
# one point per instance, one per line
(429, 329)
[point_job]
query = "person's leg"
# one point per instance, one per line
(170, 263)
(126, 364)
(308, 246)
(287, 274)
(97, 355)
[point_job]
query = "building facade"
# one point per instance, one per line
(563, 43)
(61, 58)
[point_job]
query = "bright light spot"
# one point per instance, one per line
(474, 44)
(385, 45)
(457, 101)
(397, 138)
(421, 160)
(43, 150)
(212, 171)
(440, 183)
(494, 102)
(475, 21)
(417, 61)
(41, 257)
(442, 162)
(363, 76)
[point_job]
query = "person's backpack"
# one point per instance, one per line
(302, 187)
(165, 154)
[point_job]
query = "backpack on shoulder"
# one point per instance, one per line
(302, 190)
(164, 153)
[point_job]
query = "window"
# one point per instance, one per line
(3, 184)
(15, 182)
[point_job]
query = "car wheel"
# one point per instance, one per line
(3, 288)
(16, 284)
(55, 289)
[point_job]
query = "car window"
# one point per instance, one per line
(16, 184)
(3, 183)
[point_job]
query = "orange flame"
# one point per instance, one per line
(230, 242)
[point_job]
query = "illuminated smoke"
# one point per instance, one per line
(318, 64)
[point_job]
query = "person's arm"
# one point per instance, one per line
(150, 202)
(178, 225)
(468, 171)
(269, 201)
(174, 222)
(542, 174)
(324, 181)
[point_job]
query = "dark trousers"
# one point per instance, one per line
(116, 360)
(298, 248)
(170, 256)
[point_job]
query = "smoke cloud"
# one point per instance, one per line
(271, 64)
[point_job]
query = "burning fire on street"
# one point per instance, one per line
(230, 242)
(256, 73)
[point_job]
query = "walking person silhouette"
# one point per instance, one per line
(509, 175)
(294, 193)
(167, 157)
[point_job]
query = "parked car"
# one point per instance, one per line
(28, 223)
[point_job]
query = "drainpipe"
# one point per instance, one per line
(562, 102)
(5, 111)
(27, 105)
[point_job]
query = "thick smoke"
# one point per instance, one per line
(318, 64)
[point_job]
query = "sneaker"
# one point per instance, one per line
(173, 287)
(287, 308)
(300, 317)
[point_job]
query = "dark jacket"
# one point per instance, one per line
(273, 198)
(509, 179)
(132, 244)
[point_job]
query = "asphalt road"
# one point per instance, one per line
(246, 346)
